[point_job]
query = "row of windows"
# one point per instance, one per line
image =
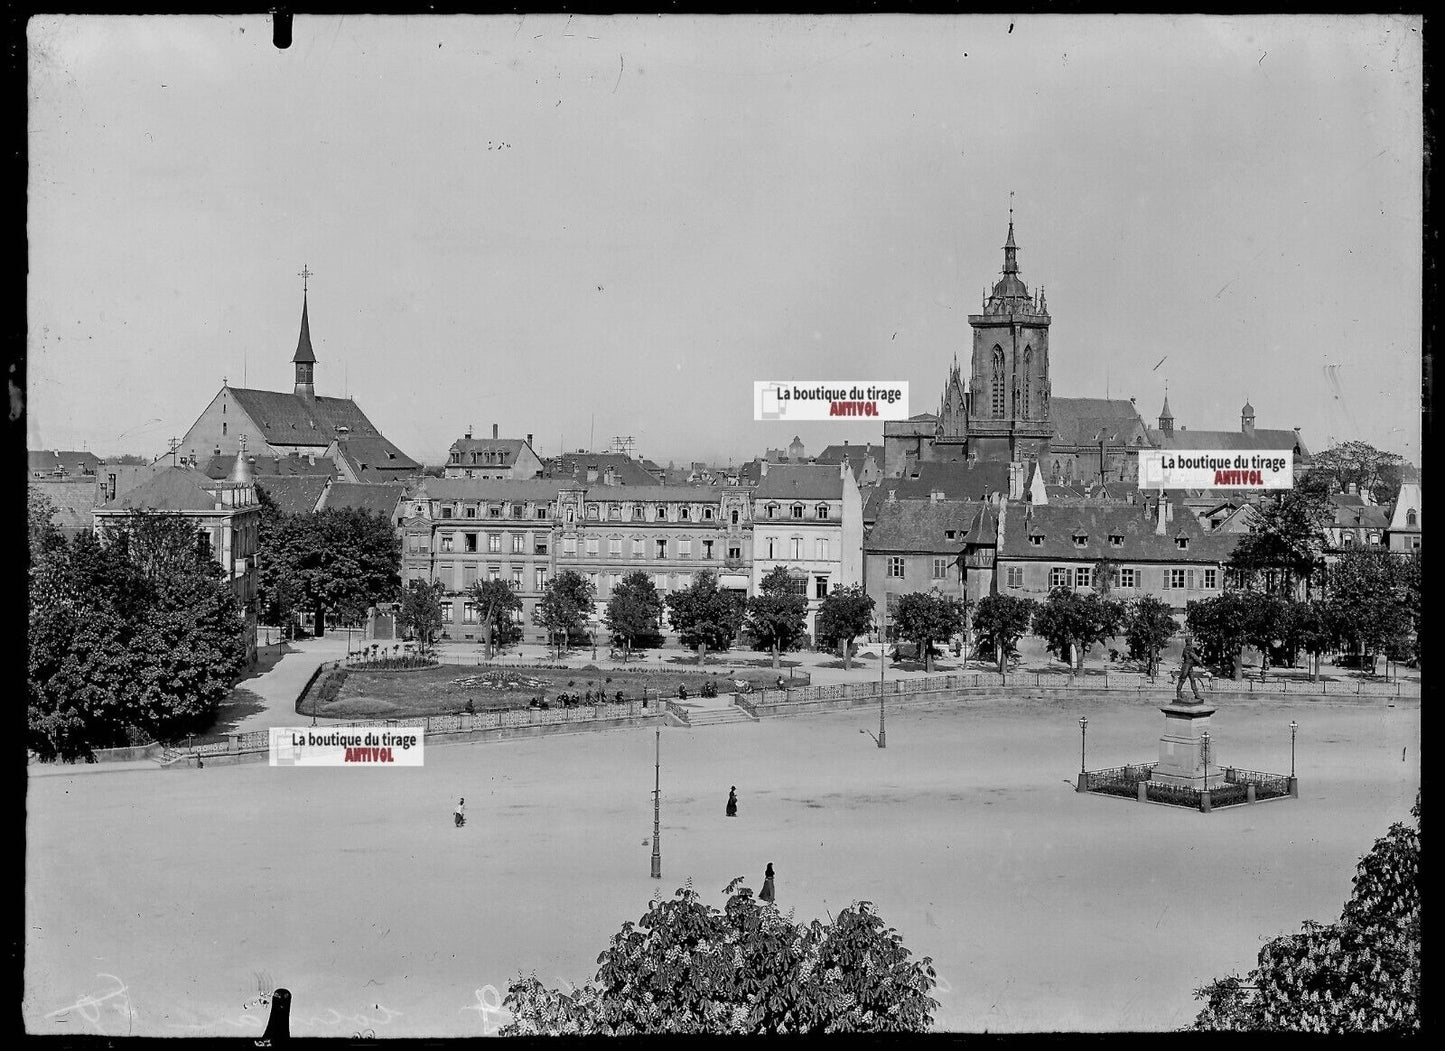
(638, 513)
(469, 575)
(897, 565)
(494, 543)
(658, 546)
(1115, 540)
(516, 510)
(794, 547)
(820, 512)
(1128, 578)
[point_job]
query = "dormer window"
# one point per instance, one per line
(950, 534)
(1182, 543)
(494, 511)
(772, 510)
(822, 510)
(683, 513)
(1081, 539)
(637, 513)
(707, 514)
(662, 512)
(797, 510)
(1116, 540)
(1037, 539)
(471, 511)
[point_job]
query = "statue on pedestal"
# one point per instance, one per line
(1188, 662)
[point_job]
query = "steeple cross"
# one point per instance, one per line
(1010, 207)
(243, 445)
(174, 443)
(307, 273)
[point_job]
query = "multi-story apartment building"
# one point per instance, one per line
(493, 457)
(671, 532)
(226, 516)
(915, 546)
(462, 530)
(809, 519)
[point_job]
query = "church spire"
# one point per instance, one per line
(1166, 418)
(305, 358)
(1010, 250)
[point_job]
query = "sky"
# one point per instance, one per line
(585, 227)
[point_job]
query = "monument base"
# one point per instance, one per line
(1182, 760)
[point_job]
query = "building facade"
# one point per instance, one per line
(496, 458)
(808, 518)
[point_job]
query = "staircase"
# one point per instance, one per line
(166, 758)
(717, 716)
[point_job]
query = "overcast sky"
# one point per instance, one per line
(540, 222)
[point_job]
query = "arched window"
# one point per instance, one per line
(999, 395)
(1028, 379)
(1411, 519)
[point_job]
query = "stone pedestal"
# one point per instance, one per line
(1181, 759)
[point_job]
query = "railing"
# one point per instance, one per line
(1266, 785)
(1121, 777)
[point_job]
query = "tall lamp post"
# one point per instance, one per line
(1083, 732)
(657, 810)
(882, 670)
(1293, 781)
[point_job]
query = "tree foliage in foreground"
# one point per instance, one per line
(135, 640)
(1068, 618)
(1360, 974)
(776, 617)
(338, 561)
(705, 616)
(634, 611)
(924, 619)
(687, 967)
(999, 621)
(845, 614)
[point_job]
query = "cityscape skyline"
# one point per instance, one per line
(514, 220)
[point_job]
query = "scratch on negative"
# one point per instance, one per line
(619, 74)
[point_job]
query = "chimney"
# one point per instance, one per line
(1015, 480)
(1169, 510)
(935, 496)
(312, 458)
(1159, 526)
(592, 474)
(892, 496)
(469, 432)
(529, 439)
(610, 476)
(494, 432)
(1352, 489)
(762, 467)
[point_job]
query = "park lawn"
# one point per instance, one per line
(446, 688)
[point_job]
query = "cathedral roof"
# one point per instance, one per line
(303, 345)
(1262, 438)
(290, 419)
(1081, 421)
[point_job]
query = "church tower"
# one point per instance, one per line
(1008, 407)
(1166, 418)
(305, 358)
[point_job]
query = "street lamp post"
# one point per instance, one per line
(1204, 800)
(1083, 732)
(882, 671)
(657, 810)
(1293, 728)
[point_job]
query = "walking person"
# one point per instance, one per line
(1189, 660)
(767, 893)
(460, 814)
(733, 801)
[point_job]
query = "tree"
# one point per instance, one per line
(1105, 576)
(43, 534)
(1371, 595)
(633, 611)
(705, 616)
(999, 621)
(1220, 626)
(1266, 621)
(1286, 538)
(496, 603)
(277, 590)
(421, 610)
(1071, 623)
(1360, 974)
(1369, 469)
(1148, 626)
(1313, 627)
(338, 561)
(924, 619)
(777, 616)
(565, 606)
(844, 615)
(686, 967)
(133, 640)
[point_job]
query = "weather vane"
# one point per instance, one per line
(305, 275)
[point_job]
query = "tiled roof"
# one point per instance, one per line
(356, 496)
(375, 459)
(46, 461)
(1260, 439)
(1057, 526)
(1365, 516)
(956, 479)
(220, 466)
(293, 494)
(984, 530)
(702, 494)
(922, 526)
(626, 470)
(499, 489)
(173, 489)
(510, 446)
(789, 481)
(1348, 499)
(73, 500)
(1082, 421)
(290, 419)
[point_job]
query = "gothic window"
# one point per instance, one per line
(1028, 379)
(999, 404)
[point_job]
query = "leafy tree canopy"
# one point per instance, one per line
(566, 605)
(634, 609)
(999, 621)
(777, 616)
(1360, 464)
(924, 619)
(844, 615)
(687, 967)
(1068, 617)
(1148, 626)
(1286, 537)
(421, 609)
(704, 615)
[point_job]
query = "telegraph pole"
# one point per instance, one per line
(657, 810)
(882, 671)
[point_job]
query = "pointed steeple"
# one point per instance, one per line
(1010, 249)
(305, 358)
(1166, 418)
(303, 345)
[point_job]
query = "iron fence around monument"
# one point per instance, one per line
(1266, 785)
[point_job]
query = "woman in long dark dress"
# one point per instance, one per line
(733, 801)
(766, 894)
